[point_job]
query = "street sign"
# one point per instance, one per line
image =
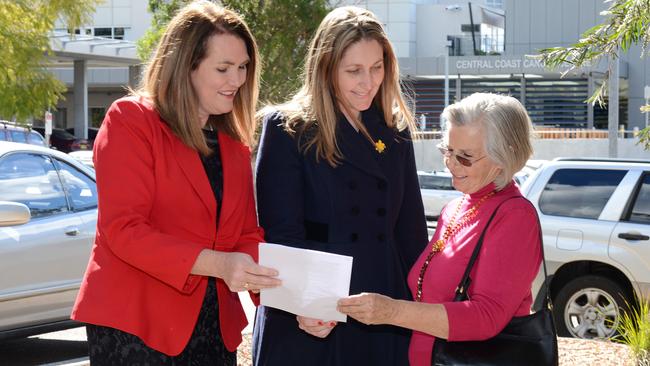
(48, 123)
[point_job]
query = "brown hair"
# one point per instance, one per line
(314, 105)
(181, 49)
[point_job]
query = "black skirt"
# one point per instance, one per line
(109, 346)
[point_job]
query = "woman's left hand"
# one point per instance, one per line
(369, 308)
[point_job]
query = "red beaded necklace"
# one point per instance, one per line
(450, 230)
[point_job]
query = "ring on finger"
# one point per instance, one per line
(246, 285)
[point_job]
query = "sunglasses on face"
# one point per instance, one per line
(444, 150)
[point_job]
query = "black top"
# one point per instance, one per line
(213, 168)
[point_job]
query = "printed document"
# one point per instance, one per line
(312, 281)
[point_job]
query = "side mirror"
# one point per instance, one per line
(13, 213)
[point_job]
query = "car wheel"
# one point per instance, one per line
(589, 307)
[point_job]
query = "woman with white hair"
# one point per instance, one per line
(486, 141)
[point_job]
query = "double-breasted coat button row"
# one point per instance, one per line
(356, 210)
(381, 185)
(355, 237)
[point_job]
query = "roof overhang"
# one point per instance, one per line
(97, 51)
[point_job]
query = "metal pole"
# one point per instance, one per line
(471, 23)
(447, 77)
(647, 101)
(590, 106)
(612, 108)
(646, 95)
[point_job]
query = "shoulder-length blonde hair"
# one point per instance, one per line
(167, 81)
(314, 107)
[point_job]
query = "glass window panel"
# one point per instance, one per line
(579, 192)
(32, 180)
(641, 208)
(81, 189)
(18, 136)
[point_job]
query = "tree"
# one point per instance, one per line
(282, 29)
(27, 88)
(627, 23)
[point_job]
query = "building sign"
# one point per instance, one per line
(508, 63)
(482, 65)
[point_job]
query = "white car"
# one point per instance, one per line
(84, 156)
(436, 191)
(48, 214)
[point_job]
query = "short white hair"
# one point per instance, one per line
(507, 127)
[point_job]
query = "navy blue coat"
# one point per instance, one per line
(368, 207)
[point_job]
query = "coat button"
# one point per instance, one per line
(355, 210)
(381, 212)
(381, 185)
(381, 237)
(352, 185)
(354, 237)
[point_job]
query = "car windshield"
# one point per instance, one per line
(435, 182)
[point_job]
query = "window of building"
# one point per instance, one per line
(492, 39)
(96, 116)
(118, 33)
(104, 32)
(494, 3)
(60, 118)
(86, 31)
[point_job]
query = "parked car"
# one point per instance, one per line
(92, 133)
(595, 217)
(64, 141)
(437, 191)
(48, 214)
(83, 156)
(10, 131)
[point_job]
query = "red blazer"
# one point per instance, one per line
(157, 211)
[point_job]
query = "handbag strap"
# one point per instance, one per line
(466, 280)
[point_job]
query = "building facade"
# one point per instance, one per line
(450, 49)
(115, 24)
(447, 49)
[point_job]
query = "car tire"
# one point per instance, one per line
(589, 307)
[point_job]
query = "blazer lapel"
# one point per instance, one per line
(190, 163)
(356, 149)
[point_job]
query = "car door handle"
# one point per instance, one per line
(629, 236)
(72, 231)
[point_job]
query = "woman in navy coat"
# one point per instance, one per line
(336, 173)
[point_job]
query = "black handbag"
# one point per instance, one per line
(527, 340)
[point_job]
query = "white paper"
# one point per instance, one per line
(312, 281)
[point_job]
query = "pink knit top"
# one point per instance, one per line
(501, 277)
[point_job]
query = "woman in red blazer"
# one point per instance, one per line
(177, 233)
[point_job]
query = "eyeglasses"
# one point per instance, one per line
(444, 150)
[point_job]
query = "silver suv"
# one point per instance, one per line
(595, 217)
